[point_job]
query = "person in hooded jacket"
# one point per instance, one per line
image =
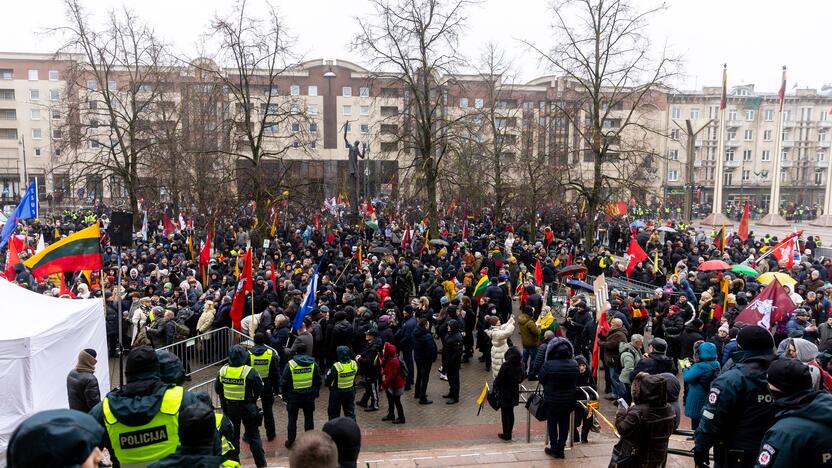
(645, 426)
(559, 377)
(674, 324)
(698, 380)
(197, 431)
(341, 334)
(452, 351)
(507, 389)
(340, 379)
(656, 361)
(265, 362)
(301, 386)
(369, 368)
(58, 437)
(424, 355)
(81, 384)
(739, 409)
(392, 383)
(239, 387)
(404, 342)
(384, 331)
(690, 336)
(143, 399)
(802, 431)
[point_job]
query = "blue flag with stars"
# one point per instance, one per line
(27, 209)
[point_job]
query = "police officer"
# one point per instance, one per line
(301, 382)
(264, 362)
(802, 433)
(739, 407)
(341, 381)
(141, 419)
(239, 386)
(196, 436)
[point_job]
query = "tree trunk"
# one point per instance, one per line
(430, 185)
(592, 202)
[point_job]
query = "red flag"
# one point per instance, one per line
(771, 305)
(782, 92)
(784, 250)
(274, 278)
(602, 329)
(205, 259)
(12, 257)
(635, 254)
(406, 237)
(317, 223)
(190, 221)
(538, 273)
(167, 224)
(549, 235)
(465, 230)
(244, 284)
(370, 210)
(742, 233)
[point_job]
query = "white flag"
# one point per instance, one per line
(41, 244)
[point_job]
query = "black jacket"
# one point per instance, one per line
(82, 390)
(452, 349)
(424, 347)
(686, 341)
(655, 364)
(559, 375)
(508, 380)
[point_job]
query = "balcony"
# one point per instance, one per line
(821, 164)
(824, 144)
(733, 144)
(786, 163)
(733, 123)
(789, 123)
(825, 124)
(788, 143)
(732, 163)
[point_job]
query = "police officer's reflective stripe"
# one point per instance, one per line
(226, 447)
(261, 363)
(346, 374)
(233, 380)
(148, 442)
(301, 375)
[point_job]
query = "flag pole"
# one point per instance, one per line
(773, 217)
(251, 278)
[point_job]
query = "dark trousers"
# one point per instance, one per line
(584, 423)
(370, 393)
(453, 381)
(507, 417)
(529, 354)
(422, 378)
(339, 400)
(468, 342)
(408, 361)
(247, 415)
(557, 423)
(394, 403)
(294, 407)
(267, 398)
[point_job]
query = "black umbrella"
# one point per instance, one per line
(576, 284)
(438, 242)
(380, 250)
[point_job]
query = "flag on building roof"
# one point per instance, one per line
(79, 251)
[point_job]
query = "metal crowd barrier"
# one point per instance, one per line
(208, 350)
(208, 387)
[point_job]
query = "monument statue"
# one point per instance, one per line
(356, 150)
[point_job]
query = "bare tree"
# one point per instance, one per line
(254, 55)
(614, 78)
(123, 69)
(412, 46)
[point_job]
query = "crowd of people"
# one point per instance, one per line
(395, 303)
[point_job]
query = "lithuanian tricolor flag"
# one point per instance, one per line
(482, 285)
(79, 251)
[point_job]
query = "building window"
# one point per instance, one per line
(766, 135)
(748, 135)
(732, 114)
(732, 135)
(94, 144)
(784, 156)
(728, 178)
(8, 114)
(818, 178)
(56, 114)
(312, 90)
(674, 134)
(92, 85)
(821, 136)
(295, 127)
(37, 134)
(37, 151)
(365, 128)
(34, 94)
(112, 85)
(312, 109)
(694, 114)
(57, 134)
(820, 156)
(35, 114)
(57, 152)
(749, 115)
(746, 155)
(33, 75)
(729, 155)
(53, 75)
(787, 115)
(822, 116)
(346, 91)
(6, 74)
(463, 103)
(746, 175)
(93, 123)
(349, 127)
(676, 113)
(270, 129)
(347, 110)
(389, 146)
(294, 90)
(768, 115)
(672, 176)
(364, 91)
(313, 127)
(55, 95)
(673, 155)
(478, 103)
(365, 110)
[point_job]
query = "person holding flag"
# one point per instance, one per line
(245, 284)
(27, 209)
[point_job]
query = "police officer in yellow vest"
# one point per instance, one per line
(301, 382)
(239, 386)
(341, 382)
(264, 361)
(142, 418)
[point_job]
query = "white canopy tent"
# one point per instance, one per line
(40, 338)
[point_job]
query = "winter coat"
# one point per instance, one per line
(629, 357)
(404, 337)
(499, 335)
(391, 376)
(512, 374)
(611, 344)
(689, 337)
(802, 431)
(305, 338)
(342, 334)
(424, 346)
(698, 379)
(452, 350)
(81, 384)
(206, 320)
(559, 375)
(653, 364)
(647, 425)
(529, 332)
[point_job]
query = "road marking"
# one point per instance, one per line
(469, 455)
(421, 458)
(446, 456)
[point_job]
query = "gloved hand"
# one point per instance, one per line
(700, 458)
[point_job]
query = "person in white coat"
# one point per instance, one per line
(499, 334)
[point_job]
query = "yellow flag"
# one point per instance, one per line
(484, 392)
(360, 259)
(237, 268)
(656, 262)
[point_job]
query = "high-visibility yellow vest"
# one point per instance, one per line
(261, 363)
(233, 380)
(301, 375)
(227, 446)
(148, 442)
(346, 374)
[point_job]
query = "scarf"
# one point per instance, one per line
(86, 363)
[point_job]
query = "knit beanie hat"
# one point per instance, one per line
(659, 345)
(755, 337)
(789, 376)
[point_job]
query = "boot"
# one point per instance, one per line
(425, 401)
(389, 417)
(399, 421)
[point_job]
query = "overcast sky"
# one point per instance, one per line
(755, 37)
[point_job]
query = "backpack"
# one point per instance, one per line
(180, 332)
(403, 370)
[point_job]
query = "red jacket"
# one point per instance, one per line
(391, 375)
(383, 292)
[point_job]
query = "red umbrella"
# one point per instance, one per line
(571, 270)
(714, 265)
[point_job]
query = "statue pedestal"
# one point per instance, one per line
(773, 220)
(716, 219)
(822, 221)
